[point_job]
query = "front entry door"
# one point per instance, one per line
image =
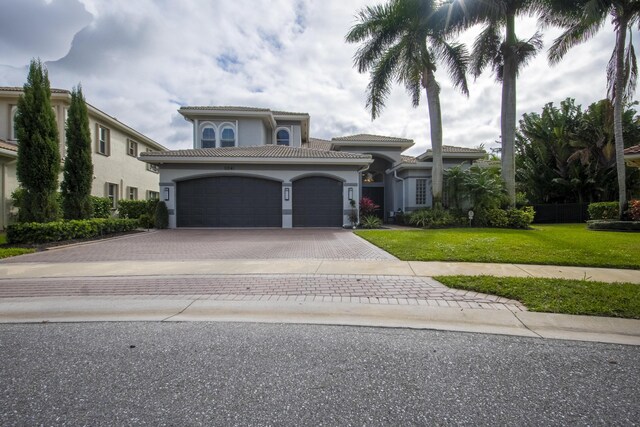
(377, 195)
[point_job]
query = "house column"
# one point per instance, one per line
(168, 196)
(287, 205)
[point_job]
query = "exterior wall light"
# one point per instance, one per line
(166, 194)
(350, 192)
(286, 194)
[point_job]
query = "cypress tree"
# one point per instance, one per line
(78, 169)
(38, 163)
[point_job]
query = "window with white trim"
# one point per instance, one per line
(112, 194)
(421, 191)
(103, 143)
(227, 136)
(132, 148)
(283, 137)
(153, 195)
(132, 193)
(208, 137)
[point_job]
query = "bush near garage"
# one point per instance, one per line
(135, 209)
(603, 210)
(161, 216)
(101, 207)
(34, 232)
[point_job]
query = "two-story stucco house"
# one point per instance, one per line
(254, 167)
(117, 172)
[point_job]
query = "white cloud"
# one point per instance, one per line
(139, 61)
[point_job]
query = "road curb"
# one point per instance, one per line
(503, 322)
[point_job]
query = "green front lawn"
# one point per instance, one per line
(7, 252)
(557, 295)
(557, 244)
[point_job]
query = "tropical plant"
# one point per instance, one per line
(433, 218)
(38, 162)
(581, 20)
(505, 54)
(78, 168)
(368, 207)
(401, 42)
(370, 221)
(565, 155)
(484, 187)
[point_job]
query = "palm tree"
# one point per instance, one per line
(506, 55)
(401, 43)
(582, 20)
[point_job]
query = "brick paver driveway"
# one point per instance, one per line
(207, 244)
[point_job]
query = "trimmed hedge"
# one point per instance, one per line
(614, 225)
(34, 232)
(509, 218)
(603, 210)
(101, 207)
(161, 216)
(136, 208)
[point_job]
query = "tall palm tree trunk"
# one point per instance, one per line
(435, 123)
(508, 113)
(618, 111)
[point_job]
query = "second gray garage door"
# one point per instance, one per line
(317, 202)
(229, 201)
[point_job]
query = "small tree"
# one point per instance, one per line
(78, 169)
(38, 163)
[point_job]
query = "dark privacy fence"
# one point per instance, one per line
(561, 213)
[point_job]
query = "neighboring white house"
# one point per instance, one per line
(632, 156)
(117, 172)
(254, 167)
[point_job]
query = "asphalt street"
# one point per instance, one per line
(265, 374)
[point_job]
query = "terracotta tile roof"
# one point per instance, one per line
(318, 144)
(632, 150)
(261, 151)
(8, 145)
(409, 159)
(20, 89)
(239, 108)
(453, 149)
(365, 137)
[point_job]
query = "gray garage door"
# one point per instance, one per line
(317, 202)
(229, 201)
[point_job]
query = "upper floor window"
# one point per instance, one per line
(132, 148)
(208, 137)
(421, 191)
(283, 137)
(103, 140)
(228, 137)
(14, 130)
(151, 167)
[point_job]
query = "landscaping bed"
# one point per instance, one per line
(557, 244)
(557, 295)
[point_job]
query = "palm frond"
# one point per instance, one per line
(455, 57)
(382, 76)
(577, 33)
(631, 69)
(486, 49)
(526, 50)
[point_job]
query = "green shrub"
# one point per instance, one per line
(603, 210)
(146, 221)
(34, 232)
(520, 218)
(101, 207)
(497, 218)
(136, 208)
(433, 218)
(370, 221)
(161, 216)
(613, 225)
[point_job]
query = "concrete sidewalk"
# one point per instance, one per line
(309, 266)
(527, 324)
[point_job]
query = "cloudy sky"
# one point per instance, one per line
(141, 60)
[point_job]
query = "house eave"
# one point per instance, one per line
(469, 156)
(254, 160)
(266, 116)
(409, 166)
(361, 144)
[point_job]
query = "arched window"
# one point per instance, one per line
(283, 137)
(228, 137)
(208, 137)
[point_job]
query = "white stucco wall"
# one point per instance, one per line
(170, 175)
